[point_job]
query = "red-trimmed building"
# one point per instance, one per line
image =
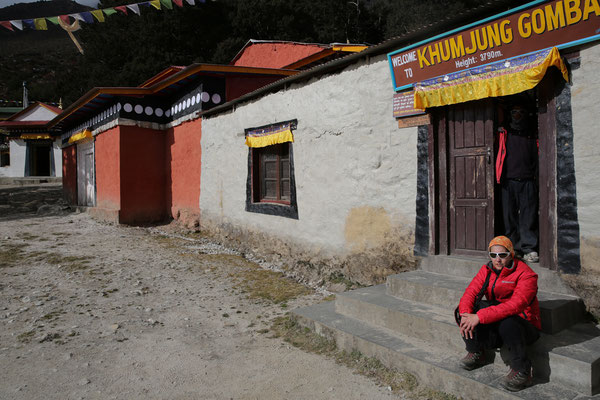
(133, 155)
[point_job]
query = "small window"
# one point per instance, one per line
(271, 174)
(271, 188)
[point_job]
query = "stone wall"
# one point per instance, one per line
(355, 175)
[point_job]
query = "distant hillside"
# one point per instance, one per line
(128, 49)
(41, 9)
(35, 56)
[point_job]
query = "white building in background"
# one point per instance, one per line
(31, 150)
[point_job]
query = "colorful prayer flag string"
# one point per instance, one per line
(89, 17)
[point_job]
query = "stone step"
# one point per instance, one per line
(434, 365)
(568, 358)
(548, 280)
(558, 311)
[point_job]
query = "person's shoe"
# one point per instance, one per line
(531, 257)
(473, 360)
(516, 380)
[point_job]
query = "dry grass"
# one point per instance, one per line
(12, 254)
(398, 381)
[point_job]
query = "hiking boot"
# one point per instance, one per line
(531, 257)
(473, 360)
(517, 380)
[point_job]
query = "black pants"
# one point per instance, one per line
(520, 211)
(513, 332)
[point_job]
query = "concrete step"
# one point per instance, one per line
(433, 364)
(568, 358)
(558, 311)
(548, 280)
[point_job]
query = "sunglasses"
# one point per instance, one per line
(501, 255)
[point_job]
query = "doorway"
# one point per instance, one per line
(40, 158)
(466, 199)
(86, 183)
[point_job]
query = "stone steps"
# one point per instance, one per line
(432, 364)
(408, 323)
(558, 311)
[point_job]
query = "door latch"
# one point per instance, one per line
(489, 155)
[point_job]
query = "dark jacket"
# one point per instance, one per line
(515, 289)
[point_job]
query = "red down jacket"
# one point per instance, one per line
(515, 288)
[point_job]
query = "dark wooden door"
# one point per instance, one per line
(470, 129)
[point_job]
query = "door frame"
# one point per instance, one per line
(439, 176)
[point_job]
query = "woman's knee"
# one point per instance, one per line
(510, 328)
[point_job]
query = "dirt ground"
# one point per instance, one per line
(97, 311)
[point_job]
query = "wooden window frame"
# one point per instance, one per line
(281, 153)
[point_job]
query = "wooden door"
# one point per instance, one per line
(470, 129)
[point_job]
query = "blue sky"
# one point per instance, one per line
(6, 3)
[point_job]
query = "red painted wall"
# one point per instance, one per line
(183, 166)
(107, 153)
(235, 86)
(142, 161)
(275, 55)
(69, 173)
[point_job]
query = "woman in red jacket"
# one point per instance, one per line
(509, 317)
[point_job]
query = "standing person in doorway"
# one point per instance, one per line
(516, 171)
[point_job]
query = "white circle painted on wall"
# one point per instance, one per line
(188, 102)
(148, 110)
(216, 98)
(184, 105)
(118, 107)
(158, 112)
(198, 98)
(193, 100)
(205, 97)
(139, 109)
(128, 107)
(168, 113)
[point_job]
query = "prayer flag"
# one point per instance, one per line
(54, 20)
(123, 9)
(155, 4)
(7, 25)
(167, 4)
(78, 17)
(178, 2)
(109, 11)
(65, 19)
(17, 23)
(29, 23)
(87, 17)
(40, 24)
(135, 8)
(98, 14)
(190, 2)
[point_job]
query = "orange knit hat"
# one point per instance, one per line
(503, 241)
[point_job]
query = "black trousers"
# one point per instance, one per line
(513, 332)
(520, 212)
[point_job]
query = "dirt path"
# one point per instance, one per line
(96, 311)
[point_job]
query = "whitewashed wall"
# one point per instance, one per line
(18, 148)
(355, 169)
(17, 160)
(585, 102)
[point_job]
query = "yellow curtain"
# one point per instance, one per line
(497, 79)
(35, 136)
(85, 134)
(267, 136)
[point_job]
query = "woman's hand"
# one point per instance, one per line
(468, 322)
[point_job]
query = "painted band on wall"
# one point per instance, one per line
(546, 24)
